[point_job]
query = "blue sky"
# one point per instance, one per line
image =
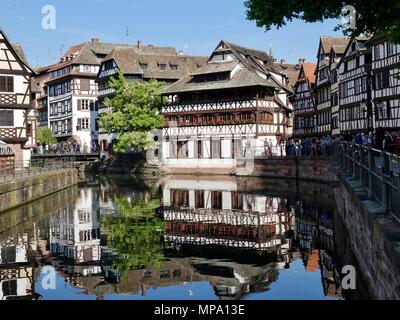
(194, 26)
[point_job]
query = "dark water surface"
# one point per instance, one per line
(182, 238)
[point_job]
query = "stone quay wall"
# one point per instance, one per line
(374, 239)
(16, 193)
(295, 168)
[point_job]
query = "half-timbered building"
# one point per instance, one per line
(205, 212)
(354, 72)
(304, 102)
(236, 102)
(140, 63)
(72, 94)
(17, 119)
(386, 83)
(330, 51)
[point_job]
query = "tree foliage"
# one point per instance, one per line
(46, 137)
(134, 112)
(373, 16)
(135, 232)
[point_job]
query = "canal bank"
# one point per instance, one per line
(32, 187)
(374, 239)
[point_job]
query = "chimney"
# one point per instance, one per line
(95, 40)
(139, 44)
(301, 61)
(283, 61)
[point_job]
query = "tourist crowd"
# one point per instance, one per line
(380, 139)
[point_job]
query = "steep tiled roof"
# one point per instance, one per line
(309, 71)
(243, 78)
(328, 42)
(292, 71)
(148, 62)
(91, 53)
(253, 64)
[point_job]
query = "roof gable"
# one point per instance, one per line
(17, 52)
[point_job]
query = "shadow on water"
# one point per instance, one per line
(185, 237)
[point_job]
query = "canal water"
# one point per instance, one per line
(182, 238)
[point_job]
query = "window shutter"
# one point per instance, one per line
(78, 127)
(91, 106)
(79, 104)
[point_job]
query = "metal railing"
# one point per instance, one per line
(12, 170)
(376, 171)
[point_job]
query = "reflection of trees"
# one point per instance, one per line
(135, 232)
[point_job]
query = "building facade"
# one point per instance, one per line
(17, 118)
(140, 63)
(304, 102)
(330, 51)
(356, 114)
(236, 103)
(385, 83)
(72, 94)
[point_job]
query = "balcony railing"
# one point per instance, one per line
(12, 133)
(12, 170)
(227, 105)
(217, 122)
(8, 99)
(376, 171)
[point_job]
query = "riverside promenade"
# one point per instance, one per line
(24, 182)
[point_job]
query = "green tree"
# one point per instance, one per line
(373, 16)
(135, 232)
(134, 112)
(45, 137)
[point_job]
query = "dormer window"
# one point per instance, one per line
(144, 66)
(174, 67)
(162, 66)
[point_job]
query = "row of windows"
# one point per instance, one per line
(353, 87)
(60, 72)
(386, 109)
(61, 127)
(180, 198)
(60, 89)
(354, 113)
(324, 118)
(323, 95)
(386, 79)
(225, 117)
(391, 49)
(60, 108)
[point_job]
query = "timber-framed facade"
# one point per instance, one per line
(385, 83)
(236, 102)
(304, 102)
(330, 51)
(356, 114)
(17, 119)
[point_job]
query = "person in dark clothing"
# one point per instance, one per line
(379, 138)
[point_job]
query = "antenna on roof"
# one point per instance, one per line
(127, 34)
(37, 60)
(61, 50)
(49, 55)
(186, 49)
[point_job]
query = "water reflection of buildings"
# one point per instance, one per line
(239, 242)
(75, 238)
(315, 238)
(212, 214)
(17, 270)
